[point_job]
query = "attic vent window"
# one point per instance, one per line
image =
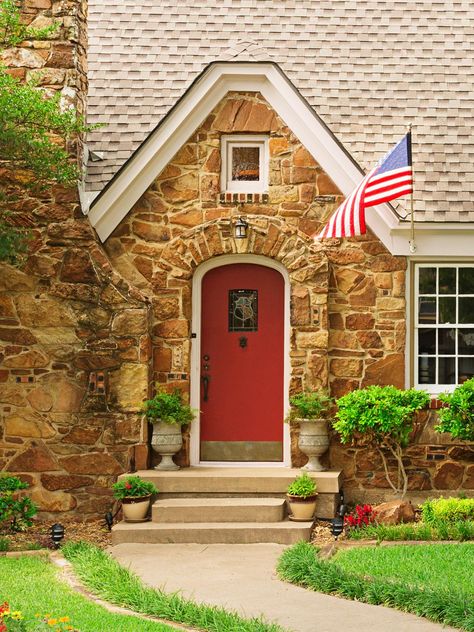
(244, 164)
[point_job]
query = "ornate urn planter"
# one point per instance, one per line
(313, 441)
(166, 441)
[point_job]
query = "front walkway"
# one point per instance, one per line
(242, 577)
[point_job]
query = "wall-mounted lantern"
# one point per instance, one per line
(240, 228)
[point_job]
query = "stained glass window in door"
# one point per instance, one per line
(243, 310)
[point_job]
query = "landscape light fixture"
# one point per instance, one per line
(240, 228)
(57, 534)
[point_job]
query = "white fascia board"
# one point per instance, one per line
(198, 102)
(435, 240)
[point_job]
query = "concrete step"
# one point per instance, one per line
(236, 480)
(218, 510)
(285, 532)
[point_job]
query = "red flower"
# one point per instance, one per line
(3, 628)
(128, 486)
(3, 608)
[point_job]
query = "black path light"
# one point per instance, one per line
(57, 534)
(240, 228)
(337, 523)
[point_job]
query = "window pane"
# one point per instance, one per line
(446, 374)
(446, 341)
(427, 341)
(447, 280)
(466, 369)
(466, 341)
(427, 310)
(426, 370)
(447, 309)
(243, 310)
(466, 310)
(466, 280)
(427, 281)
(245, 163)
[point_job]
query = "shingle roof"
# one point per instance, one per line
(367, 67)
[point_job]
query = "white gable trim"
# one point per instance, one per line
(138, 173)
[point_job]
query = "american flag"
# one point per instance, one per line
(391, 178)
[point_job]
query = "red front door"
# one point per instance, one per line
(242, 364)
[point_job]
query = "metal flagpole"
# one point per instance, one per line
(410, 160)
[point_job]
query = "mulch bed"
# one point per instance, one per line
(38, 535)
(322, 533)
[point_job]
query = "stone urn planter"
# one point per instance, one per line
(313, 442)
(167, 412)
(166, 441)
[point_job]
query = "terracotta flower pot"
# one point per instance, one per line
(135, 508)
(301, 508)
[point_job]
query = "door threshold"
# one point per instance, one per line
(241, 464)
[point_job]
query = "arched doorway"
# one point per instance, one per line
(239, 355)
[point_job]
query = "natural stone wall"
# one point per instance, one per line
(435, 465)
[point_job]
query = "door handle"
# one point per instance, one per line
(205, 381)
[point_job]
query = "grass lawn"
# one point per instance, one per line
(30, 584)
(438, 566)
(433, 581)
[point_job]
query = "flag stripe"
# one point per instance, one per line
(391, 178)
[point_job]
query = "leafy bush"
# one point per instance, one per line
(448, 510)
(462, 530)
(133, 487)
(309, 406)
(303, 486)
(16, 511)
(457, 417)
(169, 408)
(381, 416)
(4, 544)
(362, 516)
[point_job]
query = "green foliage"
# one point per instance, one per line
(379, 413)
(107, 579)
(309, 405)
(13, 31)
(32, 585)
(457, 417)
(460, 531)
(16, 511)
(168, 407)
(133, 487)
(300, 565)
(449, 510)
(303, 486)
(4, 544)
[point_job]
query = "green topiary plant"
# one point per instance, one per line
(133, 487)
(309, 406)
(169, 408)
(381, 416)
(303, 486)
(457, 417)
(16, 511)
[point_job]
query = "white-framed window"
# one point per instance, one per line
(444, 325)
(244, 163)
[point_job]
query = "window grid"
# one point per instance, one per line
(438, 326)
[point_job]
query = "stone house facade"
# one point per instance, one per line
(109, 302)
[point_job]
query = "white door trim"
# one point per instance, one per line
(196, 353)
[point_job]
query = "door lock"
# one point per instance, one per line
(243, 342)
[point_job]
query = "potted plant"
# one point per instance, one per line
(167, 412)
(308, 410)
(457, 415)
(135, 495)
(301, 496)
(381, 417)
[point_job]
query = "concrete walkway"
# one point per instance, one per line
(242, 577)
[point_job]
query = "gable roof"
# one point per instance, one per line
(367, 68)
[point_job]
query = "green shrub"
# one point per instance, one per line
(16, 511)
(133, 487)
(169, 408)
(460, 531)
(303, 486)
(4, 544)
(457, 417)
(448, 510)
(309, 405)
(381, 416)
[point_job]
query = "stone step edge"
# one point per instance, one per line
(188, 526)
(219, 502)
